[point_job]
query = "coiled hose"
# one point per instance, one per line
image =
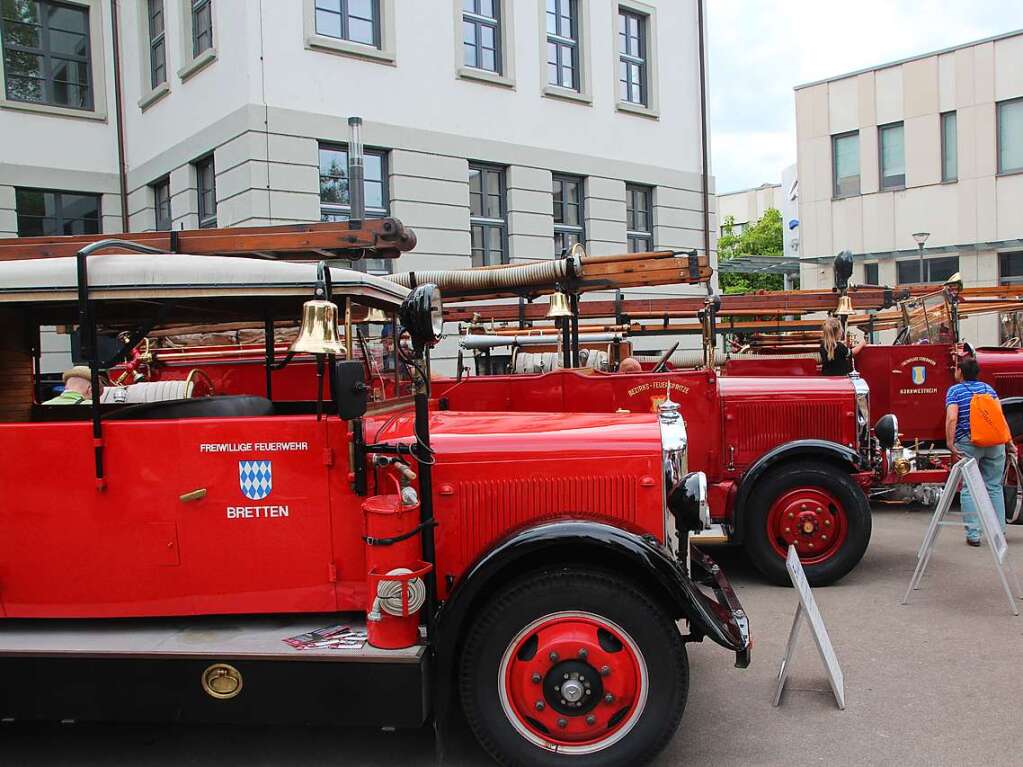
(389, 596)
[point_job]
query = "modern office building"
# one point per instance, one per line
(929, 145)
(746, 206)
(500, 130)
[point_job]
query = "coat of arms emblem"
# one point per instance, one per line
(255, 479)
(919, 373)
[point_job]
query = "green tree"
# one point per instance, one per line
(764, 238)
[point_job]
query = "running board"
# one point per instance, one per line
(167, 670)
(715, 534)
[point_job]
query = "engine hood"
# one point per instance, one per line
(521, 436)
(787, 387)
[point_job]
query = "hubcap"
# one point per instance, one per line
(583, 704)
(809, 518)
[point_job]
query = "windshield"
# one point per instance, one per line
(927, 320)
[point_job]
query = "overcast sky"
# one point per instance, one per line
(760, 49)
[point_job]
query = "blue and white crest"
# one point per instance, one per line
(255, 479)
(919, 373)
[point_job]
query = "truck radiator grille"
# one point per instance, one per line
(1009, 385)
(760, 426)
(488, 509)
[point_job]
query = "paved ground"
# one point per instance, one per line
(937, 682)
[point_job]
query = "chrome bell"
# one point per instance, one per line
(319, 333)
(559, 306)
(845, 307)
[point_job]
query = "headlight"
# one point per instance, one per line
(887, 431)
(422, 316)
(688, 503)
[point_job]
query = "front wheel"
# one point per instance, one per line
(816, 507)
(573, 663)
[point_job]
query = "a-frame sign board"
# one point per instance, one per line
(967, 470)
(807, 610)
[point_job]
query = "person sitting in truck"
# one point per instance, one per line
(77, 388)
(990, 460)
(836, 353)
(630, 365)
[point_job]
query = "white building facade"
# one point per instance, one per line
(500, 130)
(931, 144)
(746, 206)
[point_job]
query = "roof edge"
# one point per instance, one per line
(908, 59)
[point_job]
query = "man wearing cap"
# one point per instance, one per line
(77, 388)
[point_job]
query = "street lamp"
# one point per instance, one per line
(921, 238)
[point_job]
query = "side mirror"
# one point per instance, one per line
(348, 387)
(887, 431)
(422, 316)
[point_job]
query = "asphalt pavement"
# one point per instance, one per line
(935, 682)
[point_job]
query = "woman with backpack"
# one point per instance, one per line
(975, 426)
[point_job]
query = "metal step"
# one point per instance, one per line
(249, 637)
(715, 534)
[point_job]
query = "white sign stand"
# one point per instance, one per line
(807, 609)
(967, 470)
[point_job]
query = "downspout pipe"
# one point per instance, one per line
(704, 136)
(122, 170)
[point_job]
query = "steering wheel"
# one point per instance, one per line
(662, 363)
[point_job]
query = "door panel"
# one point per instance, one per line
(259, 540)
(69, 549)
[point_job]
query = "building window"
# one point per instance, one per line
(892, 156)
(1010, 268)
(335, 203)
(162, 204)
(568, 213)
(49, 213)
(639, 218)
(870, 276)
(206, 189)
(1010, 136)
(949, 147)
(845, 153)
(157, 45)
(563, 43)
(935, 269)
(487, 210)
(47, 53)
(202, 26)
(357, 21)
(632, 57)
(481, 33)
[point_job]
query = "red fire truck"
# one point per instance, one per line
(360, 556)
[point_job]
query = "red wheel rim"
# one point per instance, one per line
(811, 519)
(573, 682)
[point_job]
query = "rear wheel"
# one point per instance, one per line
(816, 507)
(573, 664)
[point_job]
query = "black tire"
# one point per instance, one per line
(614, 599)
(810, 474)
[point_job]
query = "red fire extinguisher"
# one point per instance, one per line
(397, 590)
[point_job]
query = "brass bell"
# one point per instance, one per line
(559, 306)
(376, 315)
(845, 307)
(319, 332)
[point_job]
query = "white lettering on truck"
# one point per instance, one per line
(256, 512)
(250, 447)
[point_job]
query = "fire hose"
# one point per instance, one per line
(454, 281)
(389, 597)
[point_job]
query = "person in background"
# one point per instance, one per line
(77, 388)
(991, 460)
(630, 365)
(836, 355)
